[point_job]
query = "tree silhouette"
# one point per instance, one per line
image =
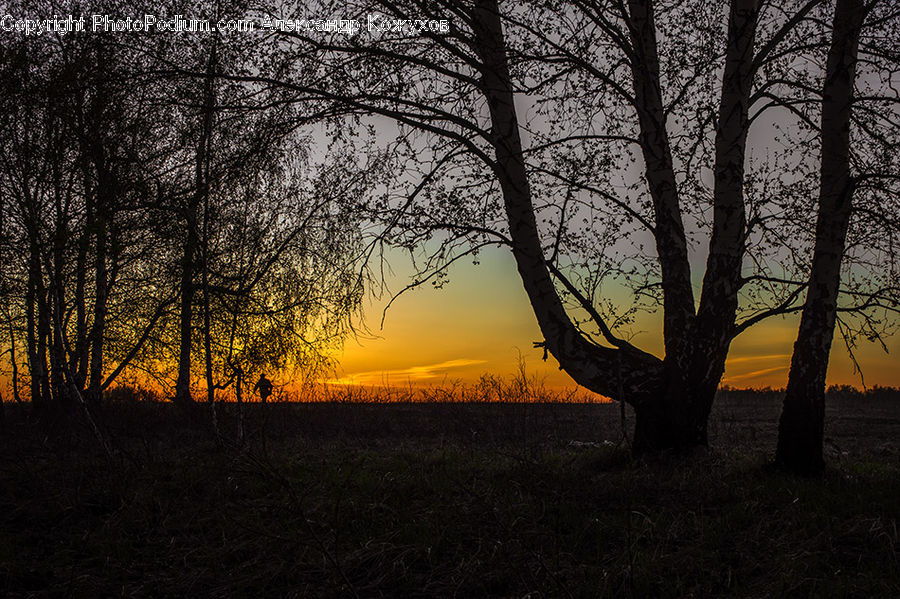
(604, 79)
(206, 208)
(801, 429)
(127, 185)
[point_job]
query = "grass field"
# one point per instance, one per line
(442, 500)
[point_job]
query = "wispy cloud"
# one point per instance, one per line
(755, 369)
(416, 374)
(745, 359)
(754, 374)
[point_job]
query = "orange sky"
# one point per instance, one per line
(481, 321)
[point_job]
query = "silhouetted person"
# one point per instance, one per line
(264, 386)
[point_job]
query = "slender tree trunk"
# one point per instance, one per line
(196, 243)
(183, 383)
(721, 282)
(207, 332)
(238, 373)
(38, 330)
(56, 292)
(34, 301)
(13, 360)
(238, 390)
(80, 351)
(101, 285)
(82, 347)
(57, 355)
(203, 188)
(14, 374)
(671, 243)
(802, 424)
(35, 371)
(43, 308)
(60, 367)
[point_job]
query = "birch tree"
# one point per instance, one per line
(801, 428)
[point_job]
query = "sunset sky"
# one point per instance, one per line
(481, 321)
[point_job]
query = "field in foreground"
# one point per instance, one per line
(467, 500)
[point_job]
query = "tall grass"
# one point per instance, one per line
(487, 389)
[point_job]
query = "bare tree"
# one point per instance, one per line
(273, 242)
(671, 396)
(656, 88)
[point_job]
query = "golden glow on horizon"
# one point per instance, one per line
(429, 373)
(481, 323)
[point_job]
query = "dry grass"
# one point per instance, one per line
(444, 499)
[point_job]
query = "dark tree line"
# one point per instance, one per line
(161, 227)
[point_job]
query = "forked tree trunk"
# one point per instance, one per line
(672, 398)
(696, 344)
(802, 424)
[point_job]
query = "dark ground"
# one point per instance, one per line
(444, 499)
